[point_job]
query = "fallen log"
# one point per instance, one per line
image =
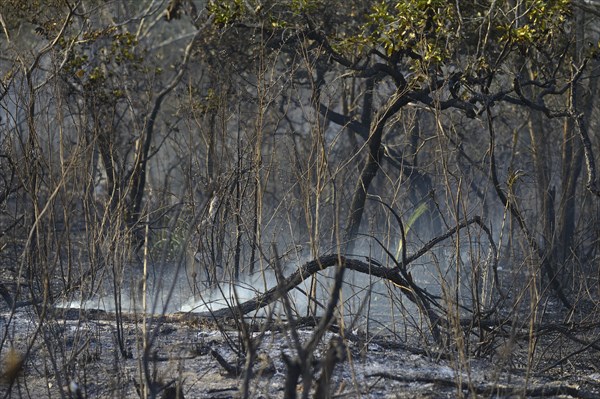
(543, 390)
(414, 293)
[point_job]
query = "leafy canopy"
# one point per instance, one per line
(421, 31)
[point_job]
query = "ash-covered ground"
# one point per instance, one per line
(81, 347)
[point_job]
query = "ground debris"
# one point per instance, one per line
(83, 348)
(546, 390)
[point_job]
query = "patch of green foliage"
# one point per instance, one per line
(423, 31)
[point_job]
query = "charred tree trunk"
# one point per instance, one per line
(371, 166)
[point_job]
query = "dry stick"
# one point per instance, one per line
(28, 71)
(474, 220)
(287, 306)
(252, 343)
(423, 302)
(232, 370)
(335, 353)
(138, 172)
(150, 338)
(546, 265)
(587, 345)
(402, 230)
(327, 318)
(301, 364)
(417, 295)
(592, 183)
(429, 245)
(590, 163)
